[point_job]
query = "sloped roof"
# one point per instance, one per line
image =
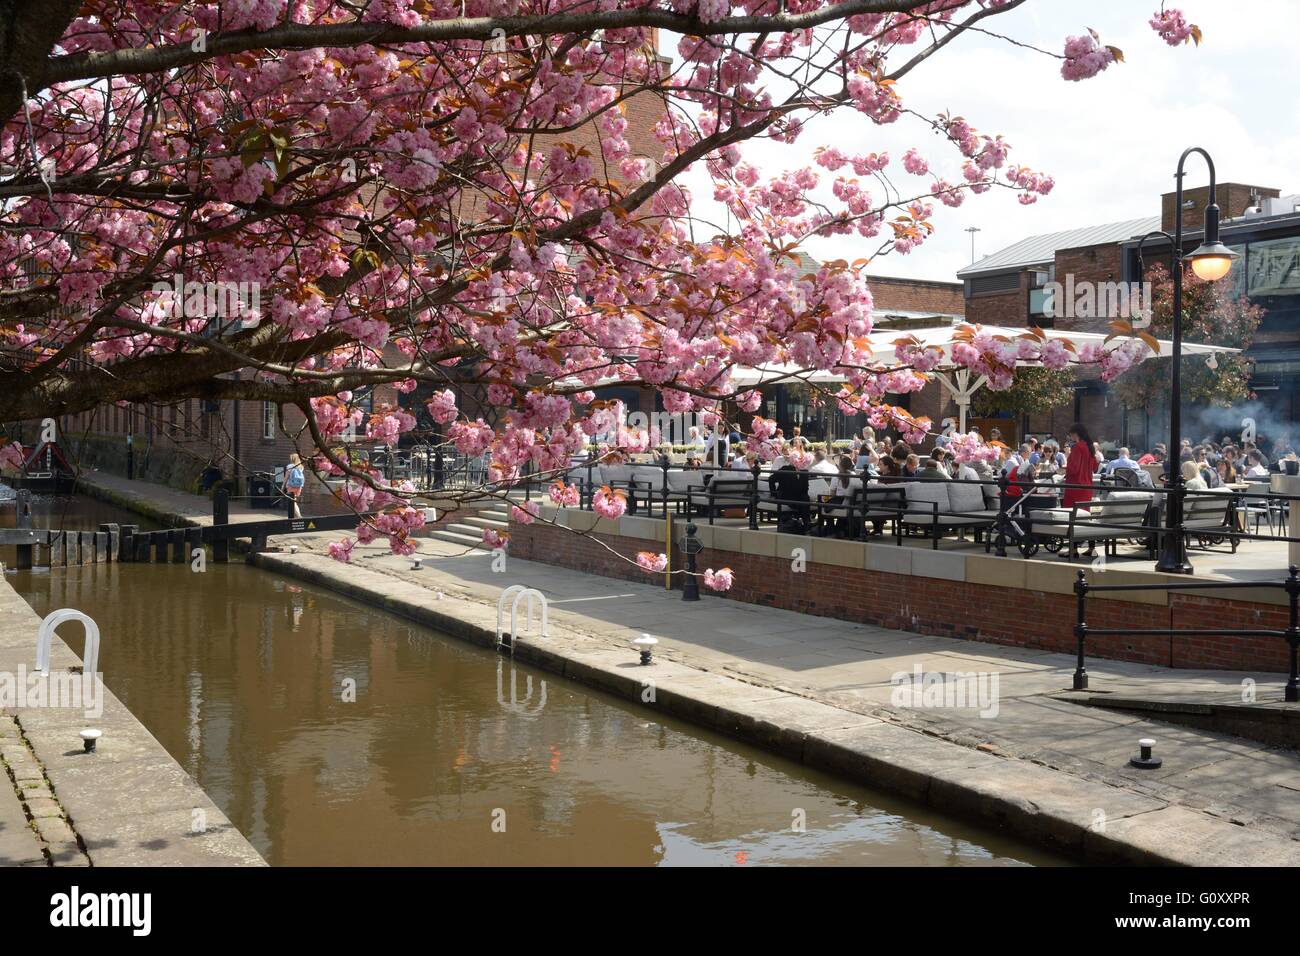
(1040, 249)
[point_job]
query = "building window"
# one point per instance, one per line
(1272, 269)
(987, 285)
(268, 420)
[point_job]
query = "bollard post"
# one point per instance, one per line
(1081, 630)
(691, 546)
(23, 519)
(220, 519)
(126, 543)
(753, 499)
(1293, 632)
(176, 538)
(114, 532)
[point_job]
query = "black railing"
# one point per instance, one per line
(656, 488)
(1292, 633)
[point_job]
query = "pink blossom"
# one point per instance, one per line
(564, 495)
(762, 428)
(609, 503)
(525, 513)
(720, 580)
(652, 562)
(1085, 57)
(442, 406)
(342, 550)
(1173, 27)
(494, 538)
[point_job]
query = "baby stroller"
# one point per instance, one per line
(1016, 526)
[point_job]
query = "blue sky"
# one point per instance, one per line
(1111, 143)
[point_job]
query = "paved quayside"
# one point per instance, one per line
(822, 691)
(127, 804)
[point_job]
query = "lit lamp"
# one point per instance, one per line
(1211, 261)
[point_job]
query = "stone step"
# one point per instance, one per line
(484, 519)
(463, 540)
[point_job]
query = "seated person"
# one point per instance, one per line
(790, 488)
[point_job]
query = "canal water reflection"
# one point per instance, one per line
(241, 675)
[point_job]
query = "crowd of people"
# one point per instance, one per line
(1078, 461)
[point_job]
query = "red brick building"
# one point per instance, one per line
(1010, 288)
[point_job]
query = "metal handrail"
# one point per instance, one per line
(1292, 633)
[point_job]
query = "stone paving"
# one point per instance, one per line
(46, 833)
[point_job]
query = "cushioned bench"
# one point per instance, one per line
(941, 506)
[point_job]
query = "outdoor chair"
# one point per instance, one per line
(1256, 504)
(684, 485)
(883, 504)
(1204, 513)
(725, 494)
(1106, 521)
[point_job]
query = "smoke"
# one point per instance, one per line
(1246, 421)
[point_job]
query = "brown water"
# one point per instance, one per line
(240, 674)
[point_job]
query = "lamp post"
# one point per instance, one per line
(1211, 260)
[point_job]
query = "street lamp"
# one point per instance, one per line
(1211, 260)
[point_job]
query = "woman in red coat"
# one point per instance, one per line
(1080, 466)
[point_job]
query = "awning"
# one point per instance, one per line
(955, 378)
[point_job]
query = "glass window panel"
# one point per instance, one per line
(1273, 267)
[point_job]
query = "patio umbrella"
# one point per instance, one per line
(957, 379)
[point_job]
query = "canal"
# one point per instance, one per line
(335, 734)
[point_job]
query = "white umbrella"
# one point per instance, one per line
(955, 378)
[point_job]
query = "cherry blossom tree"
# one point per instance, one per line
(442, 193)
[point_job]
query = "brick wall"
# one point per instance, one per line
(917, 295)
(1000, 308)
(1233, 198)
(1011, 616)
